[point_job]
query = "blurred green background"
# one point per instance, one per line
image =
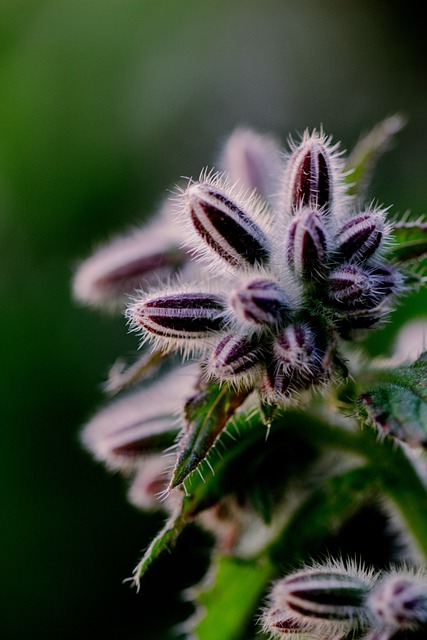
(104, 104)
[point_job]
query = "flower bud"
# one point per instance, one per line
(147, 490)
(139, 422)
(298, 361)
(234, 357)
(260, 302)
(309, 175)
(359, 292)
(319, 597)
(349, 285)
(361, 236)
(224, 227)
(306, 244)
(295, 349)
(252, 160)
(184, 316)
(386, 279)
(399, 600)
(142, 258)
(278, 625)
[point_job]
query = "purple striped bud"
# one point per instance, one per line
(235, 357)
(140, 422)
(225, 227)
(359, 292)
(309, 179)
(387, 279)
(181, 316)
(252, 160)
(298, 361)
(399, 601)
(306, 244)
(349, 285)
(295, 349)
(278, 625)
(147, 490)
(362, 235)
(260, 301)
(140, 259)
(324, 599)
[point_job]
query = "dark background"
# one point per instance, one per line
(104, 104)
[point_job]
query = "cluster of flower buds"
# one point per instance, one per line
(336, 601)
(284, 279)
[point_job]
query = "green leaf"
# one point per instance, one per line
(410, 240)
(163, 540)
(362, 160)
(231, 598)
(397, 404)
(206, 414)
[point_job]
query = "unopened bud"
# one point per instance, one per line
(361, 236)
(140, 422)
(349, 285)
(294, 348)
(297, 362)
(260, 302)
(234, 357)
(399, 601)
(147, 490)
(357, 291)
(309, 175)
(224, 227)
(278, 625)
(252, 160)
(143, 257)
(306, 244)
(321, 597)
(184, 316)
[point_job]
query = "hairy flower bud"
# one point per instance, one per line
(139, 259)
(139, 422)
(399, 600)
(260, 301)
(297, 362)
(309, 179)
(147, 490)
(356, 291)
(328, 599)
(306, 244)
(278, 625)
(295, 348)
(360, 237)
(234, 357)
(224, 227)
(185, 316)
(252, 160)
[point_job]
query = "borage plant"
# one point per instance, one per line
(254, 411)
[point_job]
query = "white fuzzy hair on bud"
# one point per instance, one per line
(399, 600)
(236, 359)
(326, 600)
(253, 160)
(313, 175)
(178, 319)
(363, 235)
(147, 489)
(227, 225)
(306, 244)
(142, 257)
(260, 301)
(120, 433)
